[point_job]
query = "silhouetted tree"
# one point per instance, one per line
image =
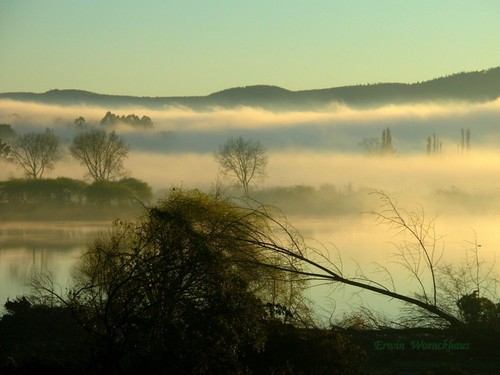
(110, 120)
(386, 147)
(7, 133)
(166, 288)
(434, 145)
(371, 145)
(180, 289)
(243, 160)
(419, 253)
(36, 153)
(80, 123)
(139, 190)
(101, 153)
(5, 151)
(465, 141)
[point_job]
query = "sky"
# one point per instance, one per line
(192, 47)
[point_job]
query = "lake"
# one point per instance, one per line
(27, 249)
(31, 248)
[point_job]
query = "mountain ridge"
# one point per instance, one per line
(481, 85)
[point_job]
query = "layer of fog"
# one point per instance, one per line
(309, 148)
(335, 128)
(305, 148)
(319, 149)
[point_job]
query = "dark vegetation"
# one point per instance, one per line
(200, 284)
(111, 120)
(66, 198)
(470, 86)
(173, 292)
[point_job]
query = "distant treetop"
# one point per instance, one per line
(111, 120)
(6, 132)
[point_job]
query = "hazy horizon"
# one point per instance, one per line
(304, 147)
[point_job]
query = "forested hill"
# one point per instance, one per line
(471, 86)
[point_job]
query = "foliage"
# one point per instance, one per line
(375, 146)
(111, 120)
(291, 350)
(243, 160)
(434, 145)
(386, 147)
(139, 190)
(37, 339)
(80, 123)
(172, 288)
(479, 312)
(7, 133)
(127, 190)
(101, 153)
(5, 151)
(61, 190)
(64, 191)
(36, 153)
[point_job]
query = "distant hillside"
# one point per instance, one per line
(471, 86)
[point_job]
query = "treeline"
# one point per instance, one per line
(434, 146)
(22, 195)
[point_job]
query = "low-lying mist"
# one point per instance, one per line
(318, 173)
(310, 148)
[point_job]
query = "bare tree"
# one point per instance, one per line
(243, 160)
(36, 153)
(420, 257)
(370, 145)
(101, 152)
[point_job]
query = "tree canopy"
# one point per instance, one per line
(242, 159)
(36, 153)
(111, 120)
(176, 285)
(101, 153)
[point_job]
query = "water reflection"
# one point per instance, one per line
(364, 246)
(28, 249)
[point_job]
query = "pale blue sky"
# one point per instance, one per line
(188, 47)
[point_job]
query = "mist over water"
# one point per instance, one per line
(320, 150)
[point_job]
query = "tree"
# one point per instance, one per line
(434, 145)
(386, 147)
(419, 253)
(5, 151)
(169, 289)
(183, 289)
(375, 146)
(139, 190)
(370, 145)
(7, 133)
(465, 142)
(128, 191)
(243, 160)
(36, 153)
(111, 120)
(101, 153)
(80, 123)
(175, 290)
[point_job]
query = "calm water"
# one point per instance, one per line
(27, 249)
